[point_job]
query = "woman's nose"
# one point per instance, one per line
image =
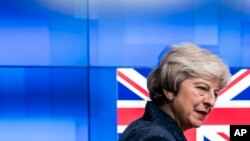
(210, 99)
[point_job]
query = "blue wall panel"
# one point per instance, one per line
(43, 33)
(46, 103)
(103, 95)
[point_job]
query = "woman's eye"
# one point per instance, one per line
(202, 88)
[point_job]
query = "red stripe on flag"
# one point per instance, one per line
(131, 82)
(219, 116)
(223, 135)
(127, 115)
(190, 134)
(247, 72)
(229, 116)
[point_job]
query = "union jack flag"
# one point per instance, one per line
(232, 106)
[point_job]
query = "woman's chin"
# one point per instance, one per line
(197, 124)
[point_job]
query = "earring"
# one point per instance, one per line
(170, 98)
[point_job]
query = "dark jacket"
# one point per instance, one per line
(154, 125)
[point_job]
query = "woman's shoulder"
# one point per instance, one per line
(141, 130)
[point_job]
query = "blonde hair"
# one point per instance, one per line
(182, 61)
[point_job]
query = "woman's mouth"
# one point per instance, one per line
(202, 114)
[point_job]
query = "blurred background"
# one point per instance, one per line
(58, 58)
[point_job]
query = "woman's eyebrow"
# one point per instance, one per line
(201, 82)
(207, 85)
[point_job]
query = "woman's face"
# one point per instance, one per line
(194, 101)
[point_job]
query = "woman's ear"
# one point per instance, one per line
(168, 95)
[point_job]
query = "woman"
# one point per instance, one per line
(183, 90)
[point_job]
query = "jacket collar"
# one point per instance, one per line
(155, 114)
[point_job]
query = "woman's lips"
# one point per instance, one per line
(202, 114)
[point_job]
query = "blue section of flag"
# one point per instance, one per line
(234, 70)
(144, 71)
(244, 95)
(126, 94)
(206, 139)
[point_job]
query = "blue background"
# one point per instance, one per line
(58, 59)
